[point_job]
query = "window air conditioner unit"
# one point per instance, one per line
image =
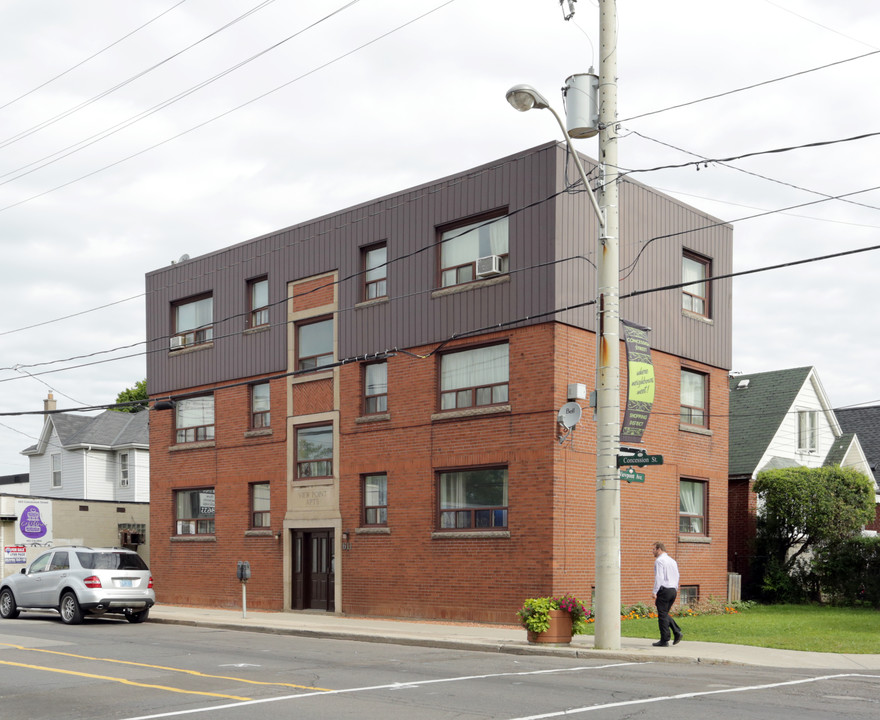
(178, 341)
(488, 266)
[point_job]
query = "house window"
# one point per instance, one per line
(260, 505)
(474, 377)
(807, 430)
(695, 270)
(56, 470)
(195, 511)
(375, 489)
(375, 388)
(375, 271)
(314, 344)
(314, 451)
(123, 470)
(194, 419)
(258, 297)
(260, 405)
(193, 322)
(693, 398)
(689, 595)
(473, 499)
(462, 246)
(692, 507)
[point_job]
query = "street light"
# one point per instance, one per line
(607, 600)
(525, 97)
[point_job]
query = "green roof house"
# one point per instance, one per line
(778, 419)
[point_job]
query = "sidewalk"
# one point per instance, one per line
(493, 638)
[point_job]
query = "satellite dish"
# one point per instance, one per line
(183, 257)
(569, 415)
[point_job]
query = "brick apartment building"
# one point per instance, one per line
(364, 406)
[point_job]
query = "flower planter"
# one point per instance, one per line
(559, 631)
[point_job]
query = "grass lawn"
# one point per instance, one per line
(789, 627)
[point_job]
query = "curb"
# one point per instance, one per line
(510, 648)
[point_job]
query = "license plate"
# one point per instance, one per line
(125, 582)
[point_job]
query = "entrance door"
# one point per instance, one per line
(313, 566)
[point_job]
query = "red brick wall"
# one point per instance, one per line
(551, 489)
(202, 572)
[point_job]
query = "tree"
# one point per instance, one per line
(137, 394)
(803, 509)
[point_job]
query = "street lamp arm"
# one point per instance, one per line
(525, 97)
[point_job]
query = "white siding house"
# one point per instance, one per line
(105, 457)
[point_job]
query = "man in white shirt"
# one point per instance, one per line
(665, 591)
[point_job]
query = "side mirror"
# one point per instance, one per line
(24, 571)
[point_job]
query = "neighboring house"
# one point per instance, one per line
(100, 457)
(865, 422)
(364, 406)
(89, 485)
(778, 419)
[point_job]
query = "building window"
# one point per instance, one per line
(258, 298)
(808, 430)
(695, 270)
(314, 344)
(123, 470)
(462, 246)
(693, 398)
(260, 505)
(56, 470)
(375, 388)
(195, 511)
(474, 377)
(314, 451)
(375, 489)
(193, 322)
(260, 405)
(692, 507)
(375, 271)
(689, 595)
(194, 419)
(473, 499)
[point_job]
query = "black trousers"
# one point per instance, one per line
(665, 599)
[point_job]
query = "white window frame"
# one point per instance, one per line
(56, 468)
(808, 430)
(123, 470)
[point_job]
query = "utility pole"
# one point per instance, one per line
(607, 601)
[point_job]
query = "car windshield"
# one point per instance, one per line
(111, 561)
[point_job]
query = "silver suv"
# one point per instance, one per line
(78, 581)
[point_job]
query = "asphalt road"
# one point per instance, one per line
(110, 670)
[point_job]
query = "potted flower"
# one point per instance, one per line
(554, 619)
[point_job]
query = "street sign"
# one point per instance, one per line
(631, 476)
(639, 459)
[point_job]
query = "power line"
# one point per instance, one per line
(748, 172)
(227, 112)
(90, 57)
(750, 87)
(631, 267)
(495, 326)
(142, 73)
(112, 130)
(706, 162)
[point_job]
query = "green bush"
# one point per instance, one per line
(849, 572)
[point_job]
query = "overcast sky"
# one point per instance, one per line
(302, 108)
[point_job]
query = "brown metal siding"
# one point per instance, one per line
(543, 226)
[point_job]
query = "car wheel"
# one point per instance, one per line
(8, 609)
(71, 613)
(137, 616)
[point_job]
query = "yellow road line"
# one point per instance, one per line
(122, 680)
(196, 673)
